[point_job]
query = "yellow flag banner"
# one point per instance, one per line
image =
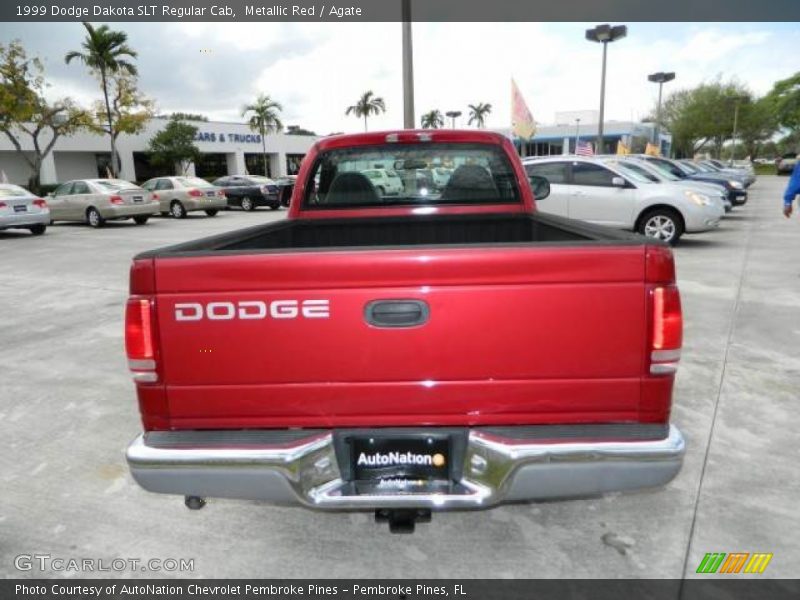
(622, 149)
(652, 150)
(522, 123)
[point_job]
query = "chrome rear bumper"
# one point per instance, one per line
(496, 469)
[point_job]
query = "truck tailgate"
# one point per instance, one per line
(514, 335)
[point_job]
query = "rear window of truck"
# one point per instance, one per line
(465, 174)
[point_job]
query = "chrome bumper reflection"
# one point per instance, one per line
(496, 469)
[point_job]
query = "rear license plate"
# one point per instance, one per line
(413, 457)
(138, 198)
(20, 208)
(211, 194)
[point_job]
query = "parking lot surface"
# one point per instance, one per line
(68, 410)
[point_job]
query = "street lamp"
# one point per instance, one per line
(736, 101)
(408, 68)
(660, 78)
(604, 34)
(453, 114)
(577, 133)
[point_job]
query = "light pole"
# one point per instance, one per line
(408, 68)
(660, 78)
(577, 133)
(736, 100)
(453, 114)
(604, 34)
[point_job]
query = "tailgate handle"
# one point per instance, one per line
(397, 313)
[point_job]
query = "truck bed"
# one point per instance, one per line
(396, 232)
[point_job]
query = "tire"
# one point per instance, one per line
(94, 218)
(275, 206)
(212, 212)
(141, 220)
(177, 210)
(38, 229)
(662, 224)
(247, 204)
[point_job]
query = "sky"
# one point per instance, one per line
(316, 70)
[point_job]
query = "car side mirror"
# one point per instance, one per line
(540, 186)
(618, 182)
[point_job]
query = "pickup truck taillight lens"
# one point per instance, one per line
(666, 336)
(140, 339)
(195, 193)
(116, 200)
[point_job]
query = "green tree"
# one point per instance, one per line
(25, 113)
(106, 53)
(432, 119)
(757, 124)
(264, 119)
(369, 104)
(174, 145)
(130, 109)
(297, 130)
(785, 101)
(478, 113)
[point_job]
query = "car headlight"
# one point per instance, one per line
(699, 199)
(735, 184)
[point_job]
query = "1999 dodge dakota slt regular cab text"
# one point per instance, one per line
(445, 348)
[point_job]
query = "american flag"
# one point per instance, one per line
(584, 149)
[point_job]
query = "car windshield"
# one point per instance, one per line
(115, 184)
(193, 182)
(475, 174)
(13, 191)
(631, 172)
(689, 167)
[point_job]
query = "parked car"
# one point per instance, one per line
(785, 164)
(452, 351)
(285, 186)
(734, 166)
(738, 174)
(606, 192)
(178, 196)
(95, 201)
(712, 190)
(385, 181)
(19, 209)
(737, 193)
(248, 192)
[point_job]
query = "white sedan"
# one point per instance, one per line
(19, 209)
(587, 189)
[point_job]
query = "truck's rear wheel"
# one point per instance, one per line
(662, 224)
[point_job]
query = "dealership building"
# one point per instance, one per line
(227, 149)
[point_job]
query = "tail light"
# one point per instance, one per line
(195, 193)
(140, 340)
(116, 200)
(666, 336)
(40, 203)
(3, 204)
(155, 196)
(221, 194)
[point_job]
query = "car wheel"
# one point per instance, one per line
(141, 220)
(177, 210)
(248, 204)
(275, 206)
(94, 218)
(662, 224)
(38, 229)
(212, 212)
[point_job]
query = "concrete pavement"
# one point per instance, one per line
(67, 412)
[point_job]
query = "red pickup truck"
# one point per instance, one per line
(441, 347)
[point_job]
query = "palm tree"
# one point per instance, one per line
(367, 105)
(432, 120)
(478, 113)
(105, 52)
(264, 120)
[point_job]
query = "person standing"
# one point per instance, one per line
(792, 190)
